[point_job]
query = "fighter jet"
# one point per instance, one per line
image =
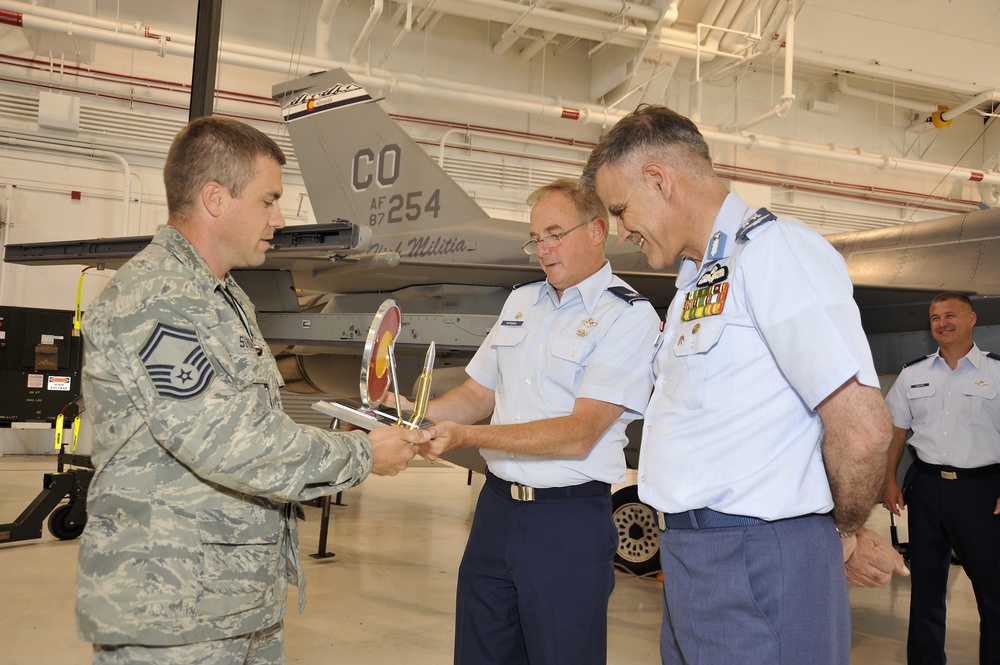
(393, 224)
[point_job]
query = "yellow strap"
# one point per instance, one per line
(59, 431)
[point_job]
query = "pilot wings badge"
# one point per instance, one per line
(717, 274)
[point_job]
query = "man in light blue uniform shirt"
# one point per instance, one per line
(765, 433)
(949, 399)
(563, 371)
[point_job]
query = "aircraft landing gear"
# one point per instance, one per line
(638, 533)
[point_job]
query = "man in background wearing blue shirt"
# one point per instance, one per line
(949, 400)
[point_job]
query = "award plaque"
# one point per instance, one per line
(378, 361)
(378, 373)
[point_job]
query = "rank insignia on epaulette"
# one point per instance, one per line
(708, 301)
(762, 216)
(176, 363)
(628, 295)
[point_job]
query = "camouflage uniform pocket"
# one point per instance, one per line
(241, 554)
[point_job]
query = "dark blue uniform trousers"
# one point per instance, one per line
(535, 580)
(944, 515)
(765, 594)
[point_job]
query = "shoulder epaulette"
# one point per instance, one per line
(534, 281)
(990, 354)
(759, 218)
(627, 294)
(920, 359)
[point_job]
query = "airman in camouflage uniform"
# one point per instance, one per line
(191, 538)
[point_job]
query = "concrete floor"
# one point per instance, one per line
(387, 596)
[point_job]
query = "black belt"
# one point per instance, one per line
(520, 492)
(954, 473)
(703, 518)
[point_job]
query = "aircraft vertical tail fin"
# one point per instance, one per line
(359, 165)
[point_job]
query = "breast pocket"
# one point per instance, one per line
(980, 403)
(567, 360)
(923, 407)
(690, 345)
(252, 373)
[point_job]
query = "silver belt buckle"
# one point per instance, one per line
(949, 475)
(522, 492)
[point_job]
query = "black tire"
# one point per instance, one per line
(61, 528)
(638, 533)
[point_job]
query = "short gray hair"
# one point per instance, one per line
(652, 130)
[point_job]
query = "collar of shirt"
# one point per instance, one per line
(174, 242)
(731, 215)
(974, 356)
(590, 289)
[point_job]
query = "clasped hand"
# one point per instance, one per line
(394, 447)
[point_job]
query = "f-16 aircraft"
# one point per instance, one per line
(394, 224)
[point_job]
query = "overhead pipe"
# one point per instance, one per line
(530, 104)
(787, 97)
(718, 27)
(22, 142)
(666, 18)
(851, 156)
(630, 10)
(426, 15)
(324, 28)
(697, 81)
(844, 87)
(673, 41)
(515, 30)
(730, 41)
(402, 33)
(366, 31)
(443, 144)
(532, 49)
(981, 98)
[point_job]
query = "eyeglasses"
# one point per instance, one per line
(550, 241)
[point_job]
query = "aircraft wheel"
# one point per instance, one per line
(60, 527)
(638, 533)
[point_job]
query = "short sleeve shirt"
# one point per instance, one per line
(544, 353)
(754, 340)
(954, 414)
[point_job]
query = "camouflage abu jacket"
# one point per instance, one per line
(189, 535)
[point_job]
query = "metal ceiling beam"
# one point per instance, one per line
(206, 56)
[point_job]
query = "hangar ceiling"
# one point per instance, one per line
(897, 96)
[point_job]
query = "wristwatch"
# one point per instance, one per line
(844, 534)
